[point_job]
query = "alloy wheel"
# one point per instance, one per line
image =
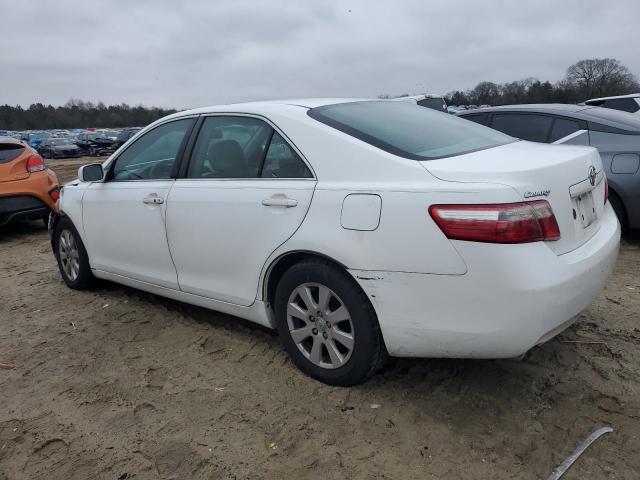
(320, 325)
(69, 254)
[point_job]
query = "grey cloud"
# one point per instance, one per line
(184, 54)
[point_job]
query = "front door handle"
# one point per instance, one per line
(153, 199)
(279, 200)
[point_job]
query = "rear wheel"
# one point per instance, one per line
(73, 261)
(327, 324)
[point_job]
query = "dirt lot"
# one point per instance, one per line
(115, 381)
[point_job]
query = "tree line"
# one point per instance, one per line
(589, 78)
(78, 114)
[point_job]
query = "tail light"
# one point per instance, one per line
(35, 163)
(606, 190)
(55, 194)
(497, 223)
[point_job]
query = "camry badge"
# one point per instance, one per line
(592, 175)
(537, 193)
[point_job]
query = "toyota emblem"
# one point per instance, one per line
(592, 175)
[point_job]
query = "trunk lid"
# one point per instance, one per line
(570, 178)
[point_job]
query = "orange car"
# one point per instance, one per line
(28, 189)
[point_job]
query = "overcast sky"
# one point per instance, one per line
(194, 53)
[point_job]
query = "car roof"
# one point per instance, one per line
(549, 107)
(6, 139)
(261, 106)
(631, 95)
(604, 116)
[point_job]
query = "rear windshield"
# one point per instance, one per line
(408, 130)
(625, 120)
(435, 103)
(9, 151)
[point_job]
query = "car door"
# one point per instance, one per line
(124, 216)
(245, 191)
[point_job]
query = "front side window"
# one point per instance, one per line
(153, 155)
(407, 130)
(534, 128)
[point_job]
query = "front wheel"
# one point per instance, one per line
(327, 324)
(73, 261)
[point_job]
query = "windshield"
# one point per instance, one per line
(408, 130)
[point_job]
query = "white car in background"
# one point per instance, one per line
(626, 103)
(359, 229)
(435, 102)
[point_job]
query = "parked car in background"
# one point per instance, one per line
(58, 147)
(35, 138)
(95, 143)
(626, 103)
(28, 190)
(124, 135)
(358, 229)
(436, 102)
(615, 134)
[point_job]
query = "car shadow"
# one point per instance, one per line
(18, 231)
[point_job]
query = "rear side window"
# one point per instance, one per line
(408, 130)
(282, 161)
(534, 128)
(625, 104)
(9, 152)
(480, 118)
(229, 147)
(561, 128)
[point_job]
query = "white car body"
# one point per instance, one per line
(214, 242)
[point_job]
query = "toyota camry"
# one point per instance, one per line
(358, 229)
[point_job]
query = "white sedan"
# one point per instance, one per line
(359, 229)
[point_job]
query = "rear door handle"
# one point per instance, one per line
(279, 201)
(153, 199)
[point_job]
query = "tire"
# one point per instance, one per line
(618, 207)
(363, 352)
(79, 277)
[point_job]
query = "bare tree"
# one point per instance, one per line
(485, 93)
(601, 77)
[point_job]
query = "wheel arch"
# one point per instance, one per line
(280, 265)
(614, 194)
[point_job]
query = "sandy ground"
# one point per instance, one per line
(115, 381)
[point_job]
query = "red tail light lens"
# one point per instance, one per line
(497, 223)
(55, 194)
(606, 190)
(35, 163)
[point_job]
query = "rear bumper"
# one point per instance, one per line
(22, 207)
(512, 298)
(28, 198)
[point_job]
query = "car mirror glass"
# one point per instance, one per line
(91, 173)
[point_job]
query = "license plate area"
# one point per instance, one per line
(586, 209)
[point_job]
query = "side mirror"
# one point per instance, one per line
(91, 173)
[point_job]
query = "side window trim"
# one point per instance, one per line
(179, 155)
(190, 147)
